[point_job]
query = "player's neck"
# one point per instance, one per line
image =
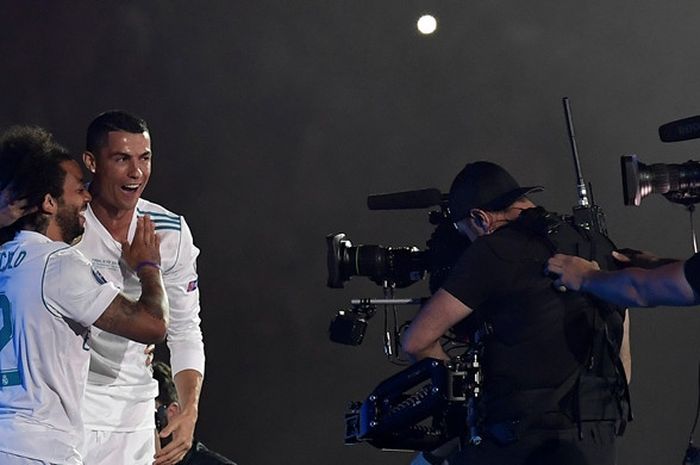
(116, 221)
(50, 230)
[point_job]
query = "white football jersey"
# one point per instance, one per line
(49, 297)
(121, 389)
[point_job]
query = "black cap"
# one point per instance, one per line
(486, 186)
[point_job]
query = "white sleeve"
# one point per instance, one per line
(181, 284)
(71, 287)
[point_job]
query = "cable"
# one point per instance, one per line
(697, 411)
(691, 210)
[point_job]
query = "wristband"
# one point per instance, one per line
(146, 263)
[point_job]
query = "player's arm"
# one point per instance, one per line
(181, 426)
(144, 320)
(186, 349)
(665, 285)
(189, 386)
(422, 338)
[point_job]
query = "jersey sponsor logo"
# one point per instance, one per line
(192, 285)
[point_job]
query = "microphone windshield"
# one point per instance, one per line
(422, 198)
(682, 129)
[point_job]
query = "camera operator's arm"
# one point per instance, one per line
(422, 338)
(640, 259)
(665, 285)
(625, 352)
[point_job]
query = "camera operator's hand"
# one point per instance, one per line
(145, 247)
(639, 259)
(570, 272)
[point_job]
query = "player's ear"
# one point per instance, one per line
(49, 204)
(89, 161)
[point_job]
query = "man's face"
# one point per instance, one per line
(72, 203)
(122, 169)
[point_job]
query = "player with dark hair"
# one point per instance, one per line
(50, 296)
(98, 131)
(11, 208)
(121, 391)
(19, 177)
(168, 406)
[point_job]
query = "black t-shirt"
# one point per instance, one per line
(541, 337)
(692, 272)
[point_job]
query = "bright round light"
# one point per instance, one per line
(427, 24)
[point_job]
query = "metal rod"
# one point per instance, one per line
(580, 183)
(416, 301)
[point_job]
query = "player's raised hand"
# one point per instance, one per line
(144, 249)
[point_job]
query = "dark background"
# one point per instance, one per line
(273, 120)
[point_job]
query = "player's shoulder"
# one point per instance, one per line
(38, 244)
(62, 251)
(164, 219)
(66, 265)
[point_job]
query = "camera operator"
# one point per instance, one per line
(663, 282)
(554, 385)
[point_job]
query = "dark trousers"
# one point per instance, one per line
(546, 447)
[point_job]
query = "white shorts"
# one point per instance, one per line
(11, 459)
(119, 448)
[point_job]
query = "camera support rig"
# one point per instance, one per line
(421, 407)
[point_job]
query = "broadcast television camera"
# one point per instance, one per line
(679, 183)
(388, 266)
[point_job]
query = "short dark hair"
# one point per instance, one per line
(167, 392)
(30, 167)
(109, 121)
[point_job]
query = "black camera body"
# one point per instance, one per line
(348, 327)
(396, 267)
(388, 267)
(162, 422)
